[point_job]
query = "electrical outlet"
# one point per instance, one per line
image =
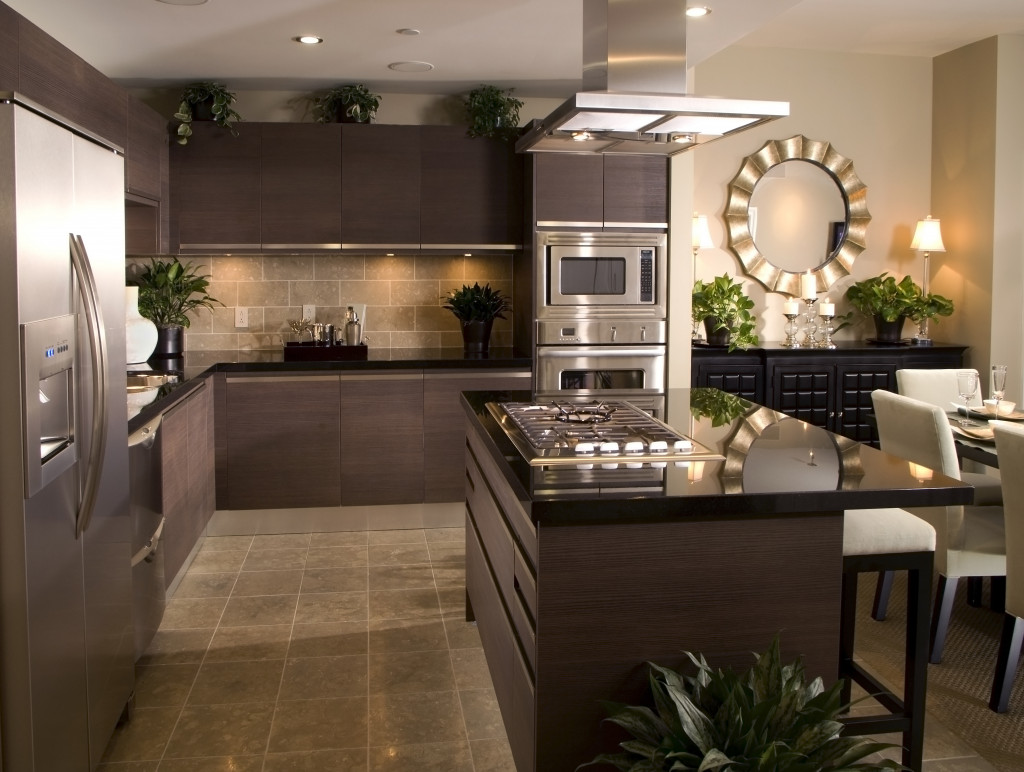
(241, 317)
(309, 312)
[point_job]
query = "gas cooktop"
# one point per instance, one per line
(593, 433)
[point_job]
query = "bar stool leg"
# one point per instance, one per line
(1006, 663)
(883, 589)
(944, 595)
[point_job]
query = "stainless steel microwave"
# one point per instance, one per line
(620, 275)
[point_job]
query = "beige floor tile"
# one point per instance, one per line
(339, 539)
(275, 559)
(336, 557)
(470, 669)
(446, 535)
(415, 719)
(404, 604)
(390, 635)
(221, 683)
(343, 760)
(331, 607)
(348, 579)
(221, 730)
(449, 576)
(312, 678)
(233, 543)
(163, 686)
(129, 766)
(328, 639)
(482, 714)
(196, 585)
(280, 541)
(314, 725)
(214, 764)
(492, 756)
(185, 613)
(268, 582)
(400, 577)
(217, 561)
(398, 554)
(434, 757)
(177, 646)
(249, 643)
(142, 738)
(259, 610)
(407, 536)
(447, 553)
(452, 601)
(461, 634)
(401, 672)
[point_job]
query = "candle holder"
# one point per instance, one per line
(826, 331)
(811, 326)
(792, 328)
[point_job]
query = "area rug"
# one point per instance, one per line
(958, 687)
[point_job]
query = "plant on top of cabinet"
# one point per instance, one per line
(205, 100)
(767, 717)
(724, 308)
(346, 104)
(493, 112)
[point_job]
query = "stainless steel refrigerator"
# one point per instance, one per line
(66, 638)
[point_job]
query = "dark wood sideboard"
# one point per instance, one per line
(830, 388)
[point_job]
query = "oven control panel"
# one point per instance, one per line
(601, 332)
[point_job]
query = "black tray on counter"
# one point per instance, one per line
(308, 351)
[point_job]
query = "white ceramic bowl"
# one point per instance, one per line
(1005, 407)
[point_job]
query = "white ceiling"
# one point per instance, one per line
(531, 45)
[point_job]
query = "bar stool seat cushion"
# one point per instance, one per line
(883, 531)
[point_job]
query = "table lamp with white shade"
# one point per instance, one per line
(927, 238)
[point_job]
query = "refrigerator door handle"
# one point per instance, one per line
(98, 351)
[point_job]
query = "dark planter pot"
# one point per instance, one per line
(476, 336)
(341, 116)
(889, 332)
(715, 337)
(170, 342)
(203, 111)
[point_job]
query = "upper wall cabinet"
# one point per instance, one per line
(215, 189)
(300, 186)
(146, 161)
(380, 184)
(600, 191)
(8, 49)
(472, 190)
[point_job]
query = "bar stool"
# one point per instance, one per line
(888, 539)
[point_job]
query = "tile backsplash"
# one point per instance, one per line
(402, 294)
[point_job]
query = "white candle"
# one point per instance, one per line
(808, 285)
(791, 307)
(827, 308)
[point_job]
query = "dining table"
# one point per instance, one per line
(977, 443)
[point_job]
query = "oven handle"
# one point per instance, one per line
(603, 351)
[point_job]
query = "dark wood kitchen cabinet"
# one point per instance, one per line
(186, 476)
(8, 49)
(300, 186)
(380, 185)
(601, 191)
(381, 438)
(215, 189)
(146, 159)
(281, 445)
(444, 425)
(471, 189)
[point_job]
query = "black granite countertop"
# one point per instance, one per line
(771, 463)
(197, 365)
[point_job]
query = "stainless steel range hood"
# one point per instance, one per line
(634, 89)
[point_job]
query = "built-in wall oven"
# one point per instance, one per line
(601, 317)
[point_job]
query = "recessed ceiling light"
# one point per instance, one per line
(182, 2)
(696, 11)
(309, 40)
(411, 66)
(408, 31)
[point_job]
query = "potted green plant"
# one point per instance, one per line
(476, 308)
(720, 406)
(889, 303)
(353, 103)
(493, 112)
(724, 308)
(205, 100)
(765, 718)
(168, 291)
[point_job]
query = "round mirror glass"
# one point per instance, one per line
(797, 215)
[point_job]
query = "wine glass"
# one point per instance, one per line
(997, 384)
(967, 385)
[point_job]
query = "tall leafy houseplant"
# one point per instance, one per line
(352, 103)
(476, 308)
(887, 301)
(724, 308)
(168, 291)
(493, 112)
(196, 99)
(766, 719)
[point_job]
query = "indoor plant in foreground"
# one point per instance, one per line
(168, 291)
(767, 718)
(724, 308)
(889, 303)
(476, 308)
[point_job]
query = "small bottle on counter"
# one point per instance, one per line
(353, 329)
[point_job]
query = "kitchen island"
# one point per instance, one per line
(578, 576)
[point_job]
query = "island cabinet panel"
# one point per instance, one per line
(60, 80)
(471, 189)
(146, 151)
(382, 438)
(635, 189)
(444, 426)
(282, 442)
(380, 193)
(8, 48)
(300, 185)
(215, 189)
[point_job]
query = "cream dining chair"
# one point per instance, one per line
(969, 538)
(1010, 447)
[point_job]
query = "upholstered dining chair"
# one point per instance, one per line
(1010, 447)
(969, 538)
(938, 387)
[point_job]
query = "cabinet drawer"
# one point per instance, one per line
(522, 728)
(490, 526)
